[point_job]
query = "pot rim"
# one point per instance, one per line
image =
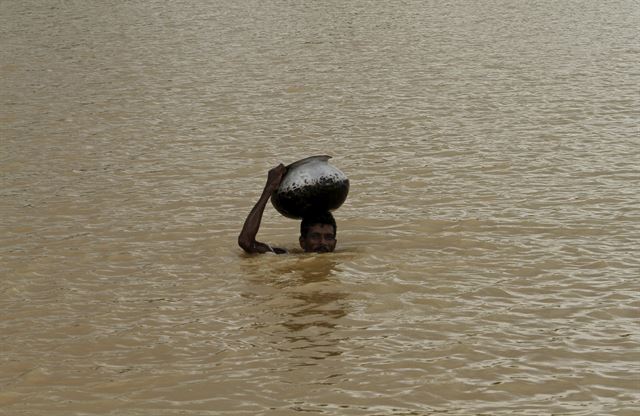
(306, 159)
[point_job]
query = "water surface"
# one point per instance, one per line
(487, 253)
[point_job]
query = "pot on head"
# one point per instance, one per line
(310, 186)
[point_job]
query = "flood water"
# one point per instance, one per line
(487, 258)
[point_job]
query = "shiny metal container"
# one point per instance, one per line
(310, 186)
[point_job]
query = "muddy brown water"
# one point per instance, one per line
(487, 257)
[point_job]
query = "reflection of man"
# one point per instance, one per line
(317, 232)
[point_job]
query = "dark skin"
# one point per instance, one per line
(320, 238)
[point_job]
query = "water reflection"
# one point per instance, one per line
(300, 305)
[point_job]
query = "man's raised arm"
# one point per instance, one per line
(247, 237)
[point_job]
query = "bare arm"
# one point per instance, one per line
(247, 237)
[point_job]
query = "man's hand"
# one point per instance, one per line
(275, 177)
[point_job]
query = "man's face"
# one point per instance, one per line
(321, 238)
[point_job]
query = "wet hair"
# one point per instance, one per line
(320, 218)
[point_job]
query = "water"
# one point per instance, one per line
(487, 253)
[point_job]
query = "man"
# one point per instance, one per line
(317, 232)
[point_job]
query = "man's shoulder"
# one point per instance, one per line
(278, 250)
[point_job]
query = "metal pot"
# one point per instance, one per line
(310, 186)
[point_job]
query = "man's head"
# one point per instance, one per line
(318, 233)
